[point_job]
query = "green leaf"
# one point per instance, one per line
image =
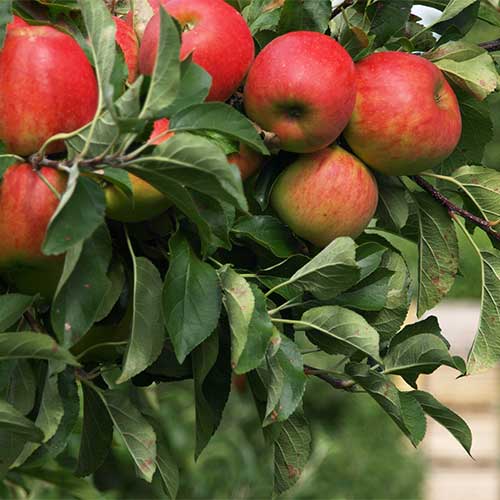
(387, 17)
(477, 76)
(97, 433)
(477, 132)
(167, 71)
(292, 450)
(101, 32)
(446, 417)
(195, 163)
(191, 298)
(117, 279)
(485, 351)
(49, 415)
(106, 131)
(329, 273)
(455, 50)
(31, 345)
(262, 15)
(135, 431)
(193, 88)
(305, 15)
(337, 330)
(167, 471)
(14, 422)
(286, 382)
(482, 186)
(212, 383)
(80, 216)
(389, 320)
(221, 118)
(82, 287)
(5, 18)
(438, 252)
(21, 391)
(401, 407)
(12, 307)
(453, 8)
(268, 232)
(147, 332)
(392, 211)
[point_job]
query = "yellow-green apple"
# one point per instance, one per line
(47, 86)
(27, 205)
(326, 194)
(302, 87)
(129, 45)
(406, 118)
(246, 159)
(217, 36)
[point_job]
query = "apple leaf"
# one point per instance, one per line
(167, 471)
(477, 76)
(97, 433)
(31, 345)
(329, 273)
(221, 118)
(12, 421)
(5, 18)
(12, 307)
(191, 298)
(79, 217)
(307, 15)
(147, 334)
(292, 450)
(400, 406)
(286, 381)
(485, 351)
(212, 384)
(438, 252)
(482, 187)
(446, 417)
(21, 388)
(392, 211)
(387, 17)
(82, 287)
(166, 75)
(453, 8)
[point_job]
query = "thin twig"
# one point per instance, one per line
(34, 324)
(336, 383)
(491, 46)
(485, 225)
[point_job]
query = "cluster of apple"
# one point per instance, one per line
(396, 111)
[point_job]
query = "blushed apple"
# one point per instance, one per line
(406, 118)
(302, 87)
(326, 194)
(217, 36)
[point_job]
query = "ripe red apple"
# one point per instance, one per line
(47, 86)
(406, 117)
(326, 194)
(217, 36)
(129, 45)
(246, 159)
(27, 205)
(302, 87)
(16, 23)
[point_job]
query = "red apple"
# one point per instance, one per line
(16, 23)
(406, 117)
(129, 45)
(27, 205)
(47, 86)
(217, 36)
(246, 159)
(302, 87)
(326, 194)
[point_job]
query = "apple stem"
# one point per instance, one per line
(484, 224)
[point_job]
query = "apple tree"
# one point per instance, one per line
(262, 202)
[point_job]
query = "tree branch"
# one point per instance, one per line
(485, 225)
(491, 46)
(336, 383)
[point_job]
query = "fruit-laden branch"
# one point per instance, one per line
(491, 46)
(484, 224)
(97, 162)
(336, 383)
